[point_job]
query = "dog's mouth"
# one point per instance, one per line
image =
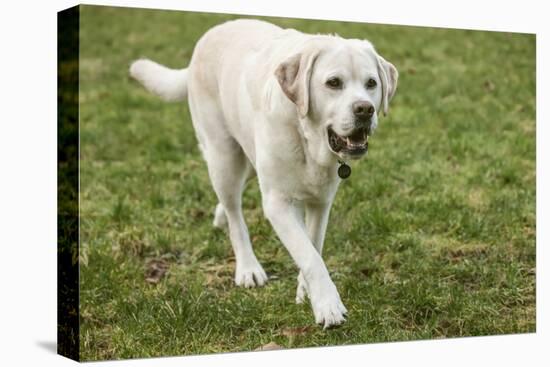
(353, 145)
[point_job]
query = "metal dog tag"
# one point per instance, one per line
(344, 171)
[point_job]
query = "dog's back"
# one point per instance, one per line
(227, 47)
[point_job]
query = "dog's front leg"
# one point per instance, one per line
(316, 215)
(289, 225)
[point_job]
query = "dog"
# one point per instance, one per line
(288, 107)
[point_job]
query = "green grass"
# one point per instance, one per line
(433, 236)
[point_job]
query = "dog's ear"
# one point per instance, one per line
(294, 75)
(388, 75)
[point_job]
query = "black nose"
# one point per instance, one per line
(363, 110)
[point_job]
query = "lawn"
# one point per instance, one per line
(433, 236)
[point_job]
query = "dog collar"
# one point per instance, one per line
(344, 171)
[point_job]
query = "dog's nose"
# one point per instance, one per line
(363, 110)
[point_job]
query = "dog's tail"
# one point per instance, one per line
(169, 84)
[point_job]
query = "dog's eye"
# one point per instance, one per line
(334, 83)
(371, 83)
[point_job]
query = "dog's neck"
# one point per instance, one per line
(317, 155)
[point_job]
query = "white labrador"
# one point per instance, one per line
(287, 106)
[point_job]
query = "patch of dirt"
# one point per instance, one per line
(155, 270)
(296, 331)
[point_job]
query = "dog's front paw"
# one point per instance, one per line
(249, 276)
(329, 311)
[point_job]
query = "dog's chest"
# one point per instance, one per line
(284, 165)
(305, 181)
(318, 183)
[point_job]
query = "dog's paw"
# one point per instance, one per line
(330, 314)
(329, 311)
(250, 276)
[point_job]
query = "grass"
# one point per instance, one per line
(432, 237)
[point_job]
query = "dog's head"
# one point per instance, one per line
(339, 87)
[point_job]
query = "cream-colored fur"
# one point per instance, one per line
(260, 104)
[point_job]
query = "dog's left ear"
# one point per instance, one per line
(388, 75)
(294, 75)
